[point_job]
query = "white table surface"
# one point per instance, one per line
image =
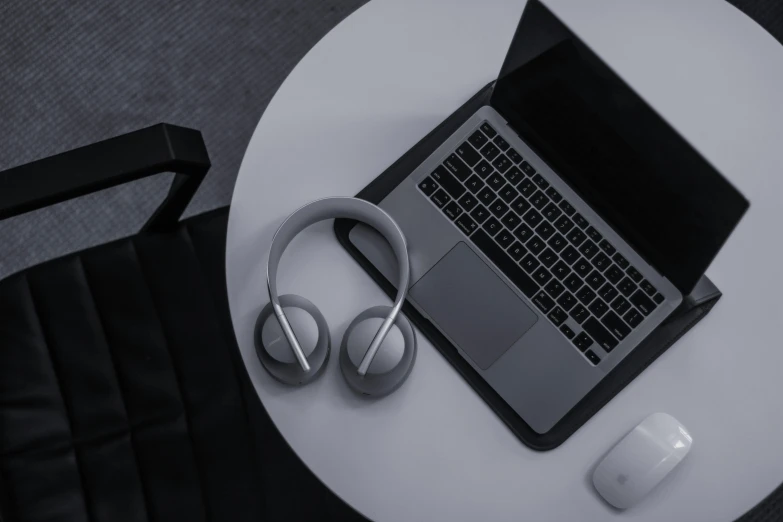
(433, 450)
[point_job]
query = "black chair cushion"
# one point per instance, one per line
(123, 395)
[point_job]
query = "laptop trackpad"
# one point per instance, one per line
(473, 306)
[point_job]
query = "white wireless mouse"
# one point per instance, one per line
(641, 460)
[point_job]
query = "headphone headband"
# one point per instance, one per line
(336, 208)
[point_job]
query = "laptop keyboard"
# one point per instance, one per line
(539, 241)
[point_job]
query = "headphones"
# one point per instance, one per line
(291, 336)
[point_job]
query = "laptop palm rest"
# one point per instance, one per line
(473, 306)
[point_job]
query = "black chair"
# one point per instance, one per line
(123, 396)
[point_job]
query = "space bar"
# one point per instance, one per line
(507, 265)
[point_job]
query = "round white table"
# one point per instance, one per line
(433, 450)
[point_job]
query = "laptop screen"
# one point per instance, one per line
(613, 149)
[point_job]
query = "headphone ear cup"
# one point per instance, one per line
(392, 363)
(272, 347)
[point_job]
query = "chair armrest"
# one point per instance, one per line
(129, 157)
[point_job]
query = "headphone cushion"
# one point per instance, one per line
(394, 360)
(273, 350)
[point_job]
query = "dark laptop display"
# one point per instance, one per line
(613, 149)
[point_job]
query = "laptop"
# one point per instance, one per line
(558, 227)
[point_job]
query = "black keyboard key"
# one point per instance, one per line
(448, 182)
(579, 313)
(557, 316)
(554, 195)
(569, 333)
(593, 234)
(607, 247)
(569, 255)
(523, 233)
(648, 288)
(633, 317)
(453, 210)
(504, 238)
(566, 207)
(480, 213)
(600, 334)
(468, 154)
(517, 251)
(601, 262)
(614, 274)
(561, 270)
(457, 167)
(474, 184)
(508, 193)
(527, 168)
(536, 245)
(502, 163)
(483, 169)
(566, 300)
(486, 196)
(583, 341)
(514, 156)
(501, 143)
(511, 220)
(543, 301)
(598, 308)
(626, 287)
(539, 180)
(573, 282)
(554, 288)
(556, 242)
(539, 200)
(588, 249)
(551, 212)
(520, 205)
(514, 175)
(658, 298)
(580, 221)
(592, 357)
(428, 186)
(504, 263)
(477, 139)
(492, 226)
(542, 276)
(564, 225)
(585, 295)
(576, 236)
(467, 225)
(608, 292)
(545, 230)
(532, 218)
(620, 260)
(440, 198)
(595, 280)
(582, 267)
(616, 325)
(642, 302)
(634, 274)
(498, 208)
(527, 187)
(488, 130)
(547, 257)
(620, 305)
(468, 201)
(530, 263)
(495, 181)
(490, 151)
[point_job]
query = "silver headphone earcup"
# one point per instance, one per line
(273, 349)
(394, 360)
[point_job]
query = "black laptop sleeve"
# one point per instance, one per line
(693, 308)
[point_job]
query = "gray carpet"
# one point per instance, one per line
(78, 71)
